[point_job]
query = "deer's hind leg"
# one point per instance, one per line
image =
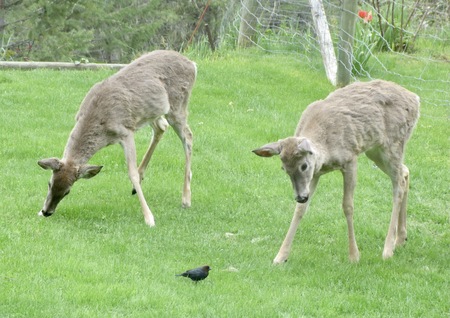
(390, 162)
(159, 126)
(401, 227)
(177, 118)
(183, 131)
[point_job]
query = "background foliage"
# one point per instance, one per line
(108, 31)
(112, 31)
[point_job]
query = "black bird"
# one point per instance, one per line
(196, 274)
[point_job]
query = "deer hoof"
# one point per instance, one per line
(400, 241)
(354, 258)
(44, 214)
(150, 222)
(278, 262)
(387, 254)
(186, 205)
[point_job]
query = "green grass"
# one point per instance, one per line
(96, 258)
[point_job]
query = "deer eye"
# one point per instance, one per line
(304, 167)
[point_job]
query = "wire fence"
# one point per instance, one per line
(413, 31)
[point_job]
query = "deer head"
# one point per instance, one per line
(297, 157)
(64, 176)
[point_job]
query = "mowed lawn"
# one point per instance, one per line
(95, 257)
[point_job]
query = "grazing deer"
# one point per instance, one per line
(376, 118)
(155, 85)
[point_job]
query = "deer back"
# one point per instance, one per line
(358, 117)
(152, 86)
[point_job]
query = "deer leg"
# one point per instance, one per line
(130, 155)
(185, 134)
(398, 184)
(300, 210)
(390, 163)
(401, 227)
(159, 126)
(397, 228)
(349, 172)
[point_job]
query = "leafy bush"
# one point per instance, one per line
(108, 31)
(399, 25)
(365, 42)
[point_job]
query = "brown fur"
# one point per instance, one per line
(155, 85)
(376, 118)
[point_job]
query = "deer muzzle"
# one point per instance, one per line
(301, 199)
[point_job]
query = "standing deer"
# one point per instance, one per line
(376, 118)
(155, 85)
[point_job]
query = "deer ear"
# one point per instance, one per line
(50, 163)
(268, 150)
(304, 146)
(88, 171)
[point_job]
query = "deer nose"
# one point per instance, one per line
(301, 199)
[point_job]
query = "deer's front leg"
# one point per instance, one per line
(300, 210)
(130, 154)
(349, 173)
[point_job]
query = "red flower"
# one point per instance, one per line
(367, 16)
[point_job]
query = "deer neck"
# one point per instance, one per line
(320, 154)
(83, 143)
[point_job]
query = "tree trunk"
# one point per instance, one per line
(345, 45)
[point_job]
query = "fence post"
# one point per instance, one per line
(247, 29)
(345, 44)
(324, 37)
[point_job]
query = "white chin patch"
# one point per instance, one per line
(40, 213)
